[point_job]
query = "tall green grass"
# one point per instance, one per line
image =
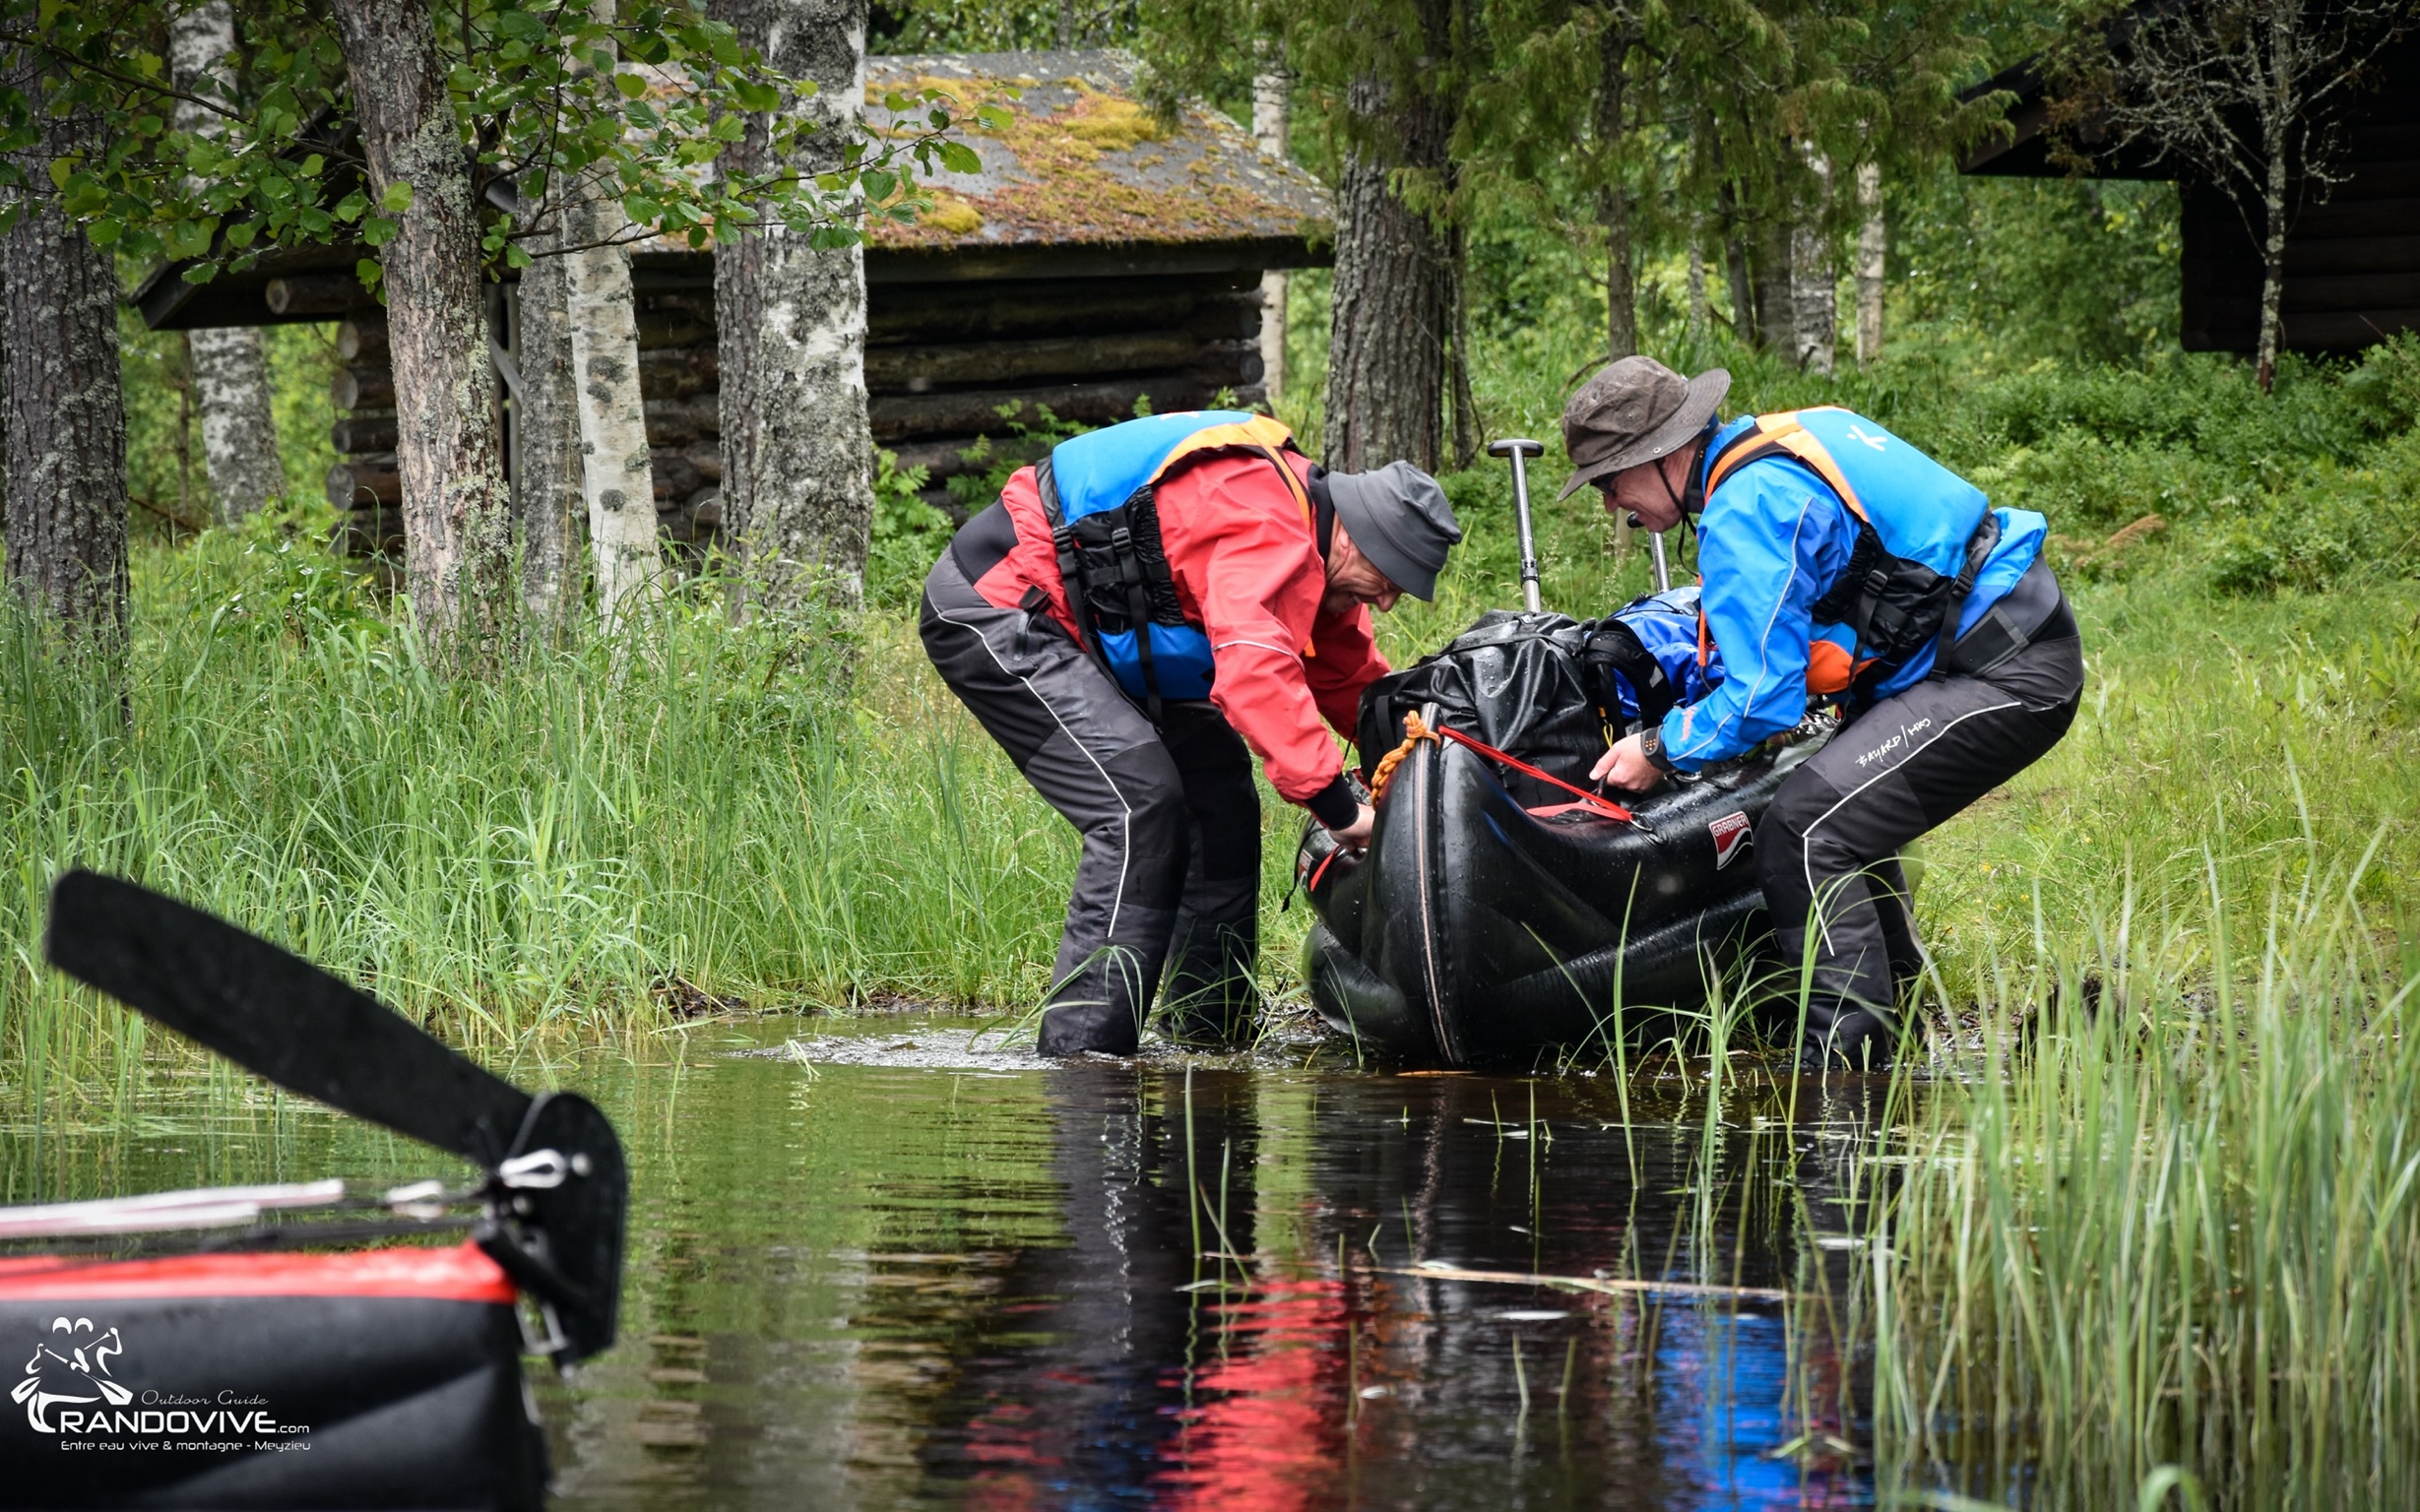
(585, 842)
(2162, 1209)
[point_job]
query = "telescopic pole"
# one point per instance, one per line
(1663, 572)
(1520, 450)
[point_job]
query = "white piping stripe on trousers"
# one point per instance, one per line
(1125, 851)
(1806, 848)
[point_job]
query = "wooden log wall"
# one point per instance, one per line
(946, 364)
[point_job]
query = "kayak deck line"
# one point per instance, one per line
(208, 1206)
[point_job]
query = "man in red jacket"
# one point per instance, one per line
(1224, 587)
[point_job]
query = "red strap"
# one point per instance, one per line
(1589, 800)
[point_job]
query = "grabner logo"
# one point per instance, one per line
(1732, 834)
(81, 1375)
(67, 1390)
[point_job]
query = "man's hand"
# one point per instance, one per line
(1356, 836)
(1626, 767)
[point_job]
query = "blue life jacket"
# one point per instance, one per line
(1098, 493)
(1923, 531)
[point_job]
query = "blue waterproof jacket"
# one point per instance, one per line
(1774, 537)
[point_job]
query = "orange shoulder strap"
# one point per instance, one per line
(1783, 435)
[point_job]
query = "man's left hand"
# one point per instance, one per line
(1626, 767)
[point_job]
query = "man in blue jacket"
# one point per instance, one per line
(1842, 562)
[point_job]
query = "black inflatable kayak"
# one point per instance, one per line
(214, 1367)
(1494, 916)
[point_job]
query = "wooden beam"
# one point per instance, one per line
(915, 369)
(363, 340)
(317, 296)
(361, 387)
(354, 484)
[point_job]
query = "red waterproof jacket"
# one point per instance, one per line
(1248, 570)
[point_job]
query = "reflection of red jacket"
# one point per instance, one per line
(1248, 570)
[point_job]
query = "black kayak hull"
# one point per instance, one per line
(1472, 932)
(368, 1379)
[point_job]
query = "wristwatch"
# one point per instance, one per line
(1651, 746)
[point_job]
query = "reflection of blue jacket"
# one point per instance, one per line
(1774, 540)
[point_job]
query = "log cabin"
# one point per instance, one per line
(2352, 258)
(1100, 258)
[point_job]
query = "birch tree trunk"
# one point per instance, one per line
(65, 415)
(1815, 287)
(1873, 248)
(457, 510)
(798, 452)
(1271, 117)
(616, 475)
(1393, 303)
(546, 421)
(230, 377)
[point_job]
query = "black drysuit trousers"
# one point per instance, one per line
(1169, 879)
(1827, 852)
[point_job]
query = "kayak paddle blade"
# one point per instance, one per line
(277, 1016)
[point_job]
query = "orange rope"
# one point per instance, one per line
(1414, 732)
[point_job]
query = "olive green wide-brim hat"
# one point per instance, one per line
(1636, 410)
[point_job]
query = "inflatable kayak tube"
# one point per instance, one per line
(1474, 930)
(384, 1378)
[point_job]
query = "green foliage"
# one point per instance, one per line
(543, 106)
(909, 534)
(2014, 270)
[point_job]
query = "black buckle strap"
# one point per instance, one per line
(1138, 615)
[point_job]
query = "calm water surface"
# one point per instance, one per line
(903, 1265)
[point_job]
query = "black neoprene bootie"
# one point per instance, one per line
(1075, 1029)
(1842, 1036)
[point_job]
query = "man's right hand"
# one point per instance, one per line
(1356, 836)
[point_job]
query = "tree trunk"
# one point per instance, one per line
(798, 451)
(1393, 303)
(1744, 322)
(1271, 116)
(457, 509)
(65, 415)
(1467, 429)
(1813, 284)
(230, 377)
(1776, 302)
(616, 474)
(2272, 252)
(1872, 246)
(1699, 316)
(1615, 208)
(547, 440)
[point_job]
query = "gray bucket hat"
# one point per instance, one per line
(1399, 517)
(1636, 410)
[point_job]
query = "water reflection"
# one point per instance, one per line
(1106, 1284)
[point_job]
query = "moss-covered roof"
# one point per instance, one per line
(1082, 162)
